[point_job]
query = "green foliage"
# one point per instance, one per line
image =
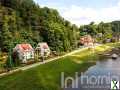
(29, 23)
(9, 62)
(102, 31)
(23, 21)
(47, 76)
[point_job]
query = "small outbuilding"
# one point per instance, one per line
(24, 52)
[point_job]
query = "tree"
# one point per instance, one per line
(6, 34)
(116, 29)
(29, 23)
(9, 62)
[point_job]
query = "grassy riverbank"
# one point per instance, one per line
(47, 76)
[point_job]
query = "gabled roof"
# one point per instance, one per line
(86, 39)
(43, 45)
(23, 47)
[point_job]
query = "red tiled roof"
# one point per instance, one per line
(25, 47)
(43, 45)
(86, 39)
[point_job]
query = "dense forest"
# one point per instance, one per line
(23, 21)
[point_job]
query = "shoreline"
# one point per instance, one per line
(26, 67)
(50, 72)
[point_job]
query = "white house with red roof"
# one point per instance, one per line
(25, 52)
(87, 40)
(43, 49)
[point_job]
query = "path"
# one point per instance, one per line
(46, 61)
(52, 59)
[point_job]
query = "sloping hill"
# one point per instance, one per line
(29, 23)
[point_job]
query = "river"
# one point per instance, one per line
(99, 76)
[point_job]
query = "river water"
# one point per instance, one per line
(98, 76)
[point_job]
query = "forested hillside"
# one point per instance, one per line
(23, 21)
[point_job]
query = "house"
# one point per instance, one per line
(24, 52)
(87, 40)
(43, 49)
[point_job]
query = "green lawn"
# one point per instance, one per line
(43, 77)
(47, 76)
